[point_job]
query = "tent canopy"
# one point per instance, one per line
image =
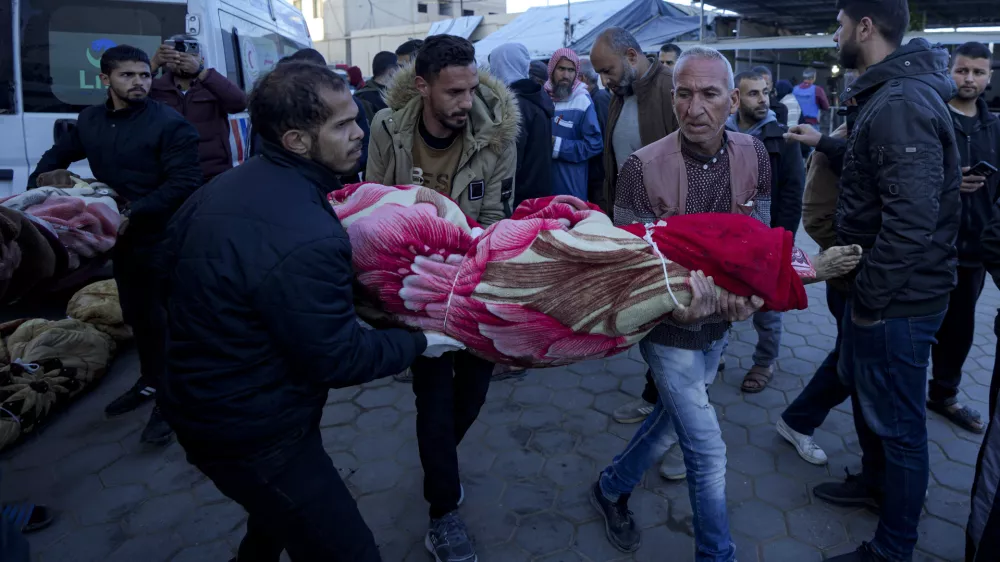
(542, 29)
(463, 26)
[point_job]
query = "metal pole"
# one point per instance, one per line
(568, 32)
(702, 37)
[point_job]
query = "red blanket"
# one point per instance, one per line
(557, 283)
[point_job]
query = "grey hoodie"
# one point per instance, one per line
(510, 62)
(733, 124)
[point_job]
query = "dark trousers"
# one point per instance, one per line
(142, 305)
(886, 363)
(954, 339)
(13, 545)
(982, 538)
(296, 501)
(825, 391)
(450, 391)
(649, 392)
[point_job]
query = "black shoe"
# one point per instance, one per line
(618, 521)
(448, 540)
(864, 553)
(853, 491)
(134, 397)
(157, 432)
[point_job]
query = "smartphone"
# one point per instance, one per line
(983, 168)
(186, 47)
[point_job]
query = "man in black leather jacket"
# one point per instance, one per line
(899, 200)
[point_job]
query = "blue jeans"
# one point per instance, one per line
(768, 326)
(886, 364)
(681, 375)
(825, 391)
(13, 545)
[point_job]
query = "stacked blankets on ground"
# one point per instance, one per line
(49, 233)
(557, 283)
(44, 364)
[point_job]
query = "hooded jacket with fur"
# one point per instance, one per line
(483, 185)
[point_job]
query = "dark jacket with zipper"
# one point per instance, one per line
(899, 191)
(146, 152)
(981, 143)
(372, 98)
(206, 105)
(260, 304)
(534, 141)
(788, 177)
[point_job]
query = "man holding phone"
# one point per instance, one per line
(977, 133)
(203, 96)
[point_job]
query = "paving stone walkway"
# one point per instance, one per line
(526, 465)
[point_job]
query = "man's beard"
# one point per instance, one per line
(849, 54)
(319, 156)
(968, 95)
(449, 121)
(125, 96)
(750, 115)
(562, 90)
(629, 75)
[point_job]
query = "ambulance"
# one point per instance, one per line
(50, 52)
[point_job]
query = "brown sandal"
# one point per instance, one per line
(756, 379)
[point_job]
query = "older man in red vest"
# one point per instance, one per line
(701, 168)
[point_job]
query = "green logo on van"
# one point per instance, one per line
(98, 46)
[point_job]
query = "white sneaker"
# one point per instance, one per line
(804, 444)
(672, 467)
(633, 412)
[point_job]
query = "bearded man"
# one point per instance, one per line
(576, 132)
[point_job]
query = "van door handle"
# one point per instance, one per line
(62, 127)
(6, 174)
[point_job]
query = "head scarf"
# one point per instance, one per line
(509, 62)
(563, 53)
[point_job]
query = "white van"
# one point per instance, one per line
(50, 54)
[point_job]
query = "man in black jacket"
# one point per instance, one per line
(510, 62)
(148, 154)
(262, 323)
(899, 200)
(779, 109)
(787, 183)
(372, 95)
(978, 134)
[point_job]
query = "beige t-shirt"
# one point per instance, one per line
(435, 161)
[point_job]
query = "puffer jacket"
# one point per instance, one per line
(982, 143)
(489, 154)
(899, 191)
(534, 163)
(259, 299)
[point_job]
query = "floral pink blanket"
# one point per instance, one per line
(557, 283)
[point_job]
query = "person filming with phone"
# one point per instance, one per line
(203, 96)
(977, 133)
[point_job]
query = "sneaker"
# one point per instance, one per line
(672, 467)
(405, 376)
(804, 444)
(157, 431)
(618, 522)
(853, 491)
(139, 394)
(448, 540)
(633, 412)
(864, 553)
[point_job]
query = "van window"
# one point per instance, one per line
(62, 42)
(7, 99)
(251, 50)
